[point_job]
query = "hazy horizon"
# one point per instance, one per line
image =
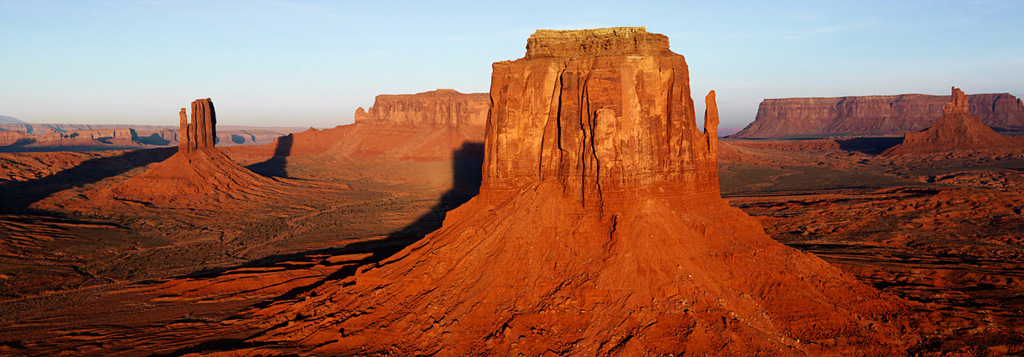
(311, 63)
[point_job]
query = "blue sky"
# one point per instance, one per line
(312, 63)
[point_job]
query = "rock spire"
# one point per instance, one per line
(201, 133)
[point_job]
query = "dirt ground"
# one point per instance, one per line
(945, 231)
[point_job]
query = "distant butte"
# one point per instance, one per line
(957, 130)
(873, 115)
(197, 168)
(599, 230)
(442, 107)
(420, 127)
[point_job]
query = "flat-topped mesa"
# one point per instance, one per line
(440, 108)
(615, 117)
(201, 133)
(613, 40)
(874, 115)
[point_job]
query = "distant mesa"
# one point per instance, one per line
(599, 230)
(957, 130)
(427, 126)
(442, 107)
(197, 168)
(10, 120)
(873, 115)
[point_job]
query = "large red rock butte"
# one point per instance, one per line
(599, 230)
(957, 130)
(197, 168)
(442, 107)
(873, 115)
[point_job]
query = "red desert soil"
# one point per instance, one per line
(208, 275)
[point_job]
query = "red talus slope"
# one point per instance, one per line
(442, 107)
(957, 130)
(599, 230)
(873, 115)
(198, 167)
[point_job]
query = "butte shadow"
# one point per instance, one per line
(276, 165)
(19, 196)
(466, 166)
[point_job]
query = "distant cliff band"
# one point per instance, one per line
(873, 115)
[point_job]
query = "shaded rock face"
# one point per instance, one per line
(443, 107)
(873, 115)
(957, 130)
(599, 230)
(201, 132)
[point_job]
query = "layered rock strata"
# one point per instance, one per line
(957, 130)
(873, 115)
(443, 107)
(599, 230)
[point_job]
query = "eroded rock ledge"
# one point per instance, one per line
(614, 40)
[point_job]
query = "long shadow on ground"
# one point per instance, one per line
(19, 195)
(466, 177)
(276, 166)
(870, 146)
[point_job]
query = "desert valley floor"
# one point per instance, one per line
(184, 276)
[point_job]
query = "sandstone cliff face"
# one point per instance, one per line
(957, 130)
(607, 111)
(873, 115)
(14, 137)
(443, 107)
(599, 230)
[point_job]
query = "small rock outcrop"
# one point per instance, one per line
(873, 115)
(957, 130)
(443, 107)
(599, 230)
